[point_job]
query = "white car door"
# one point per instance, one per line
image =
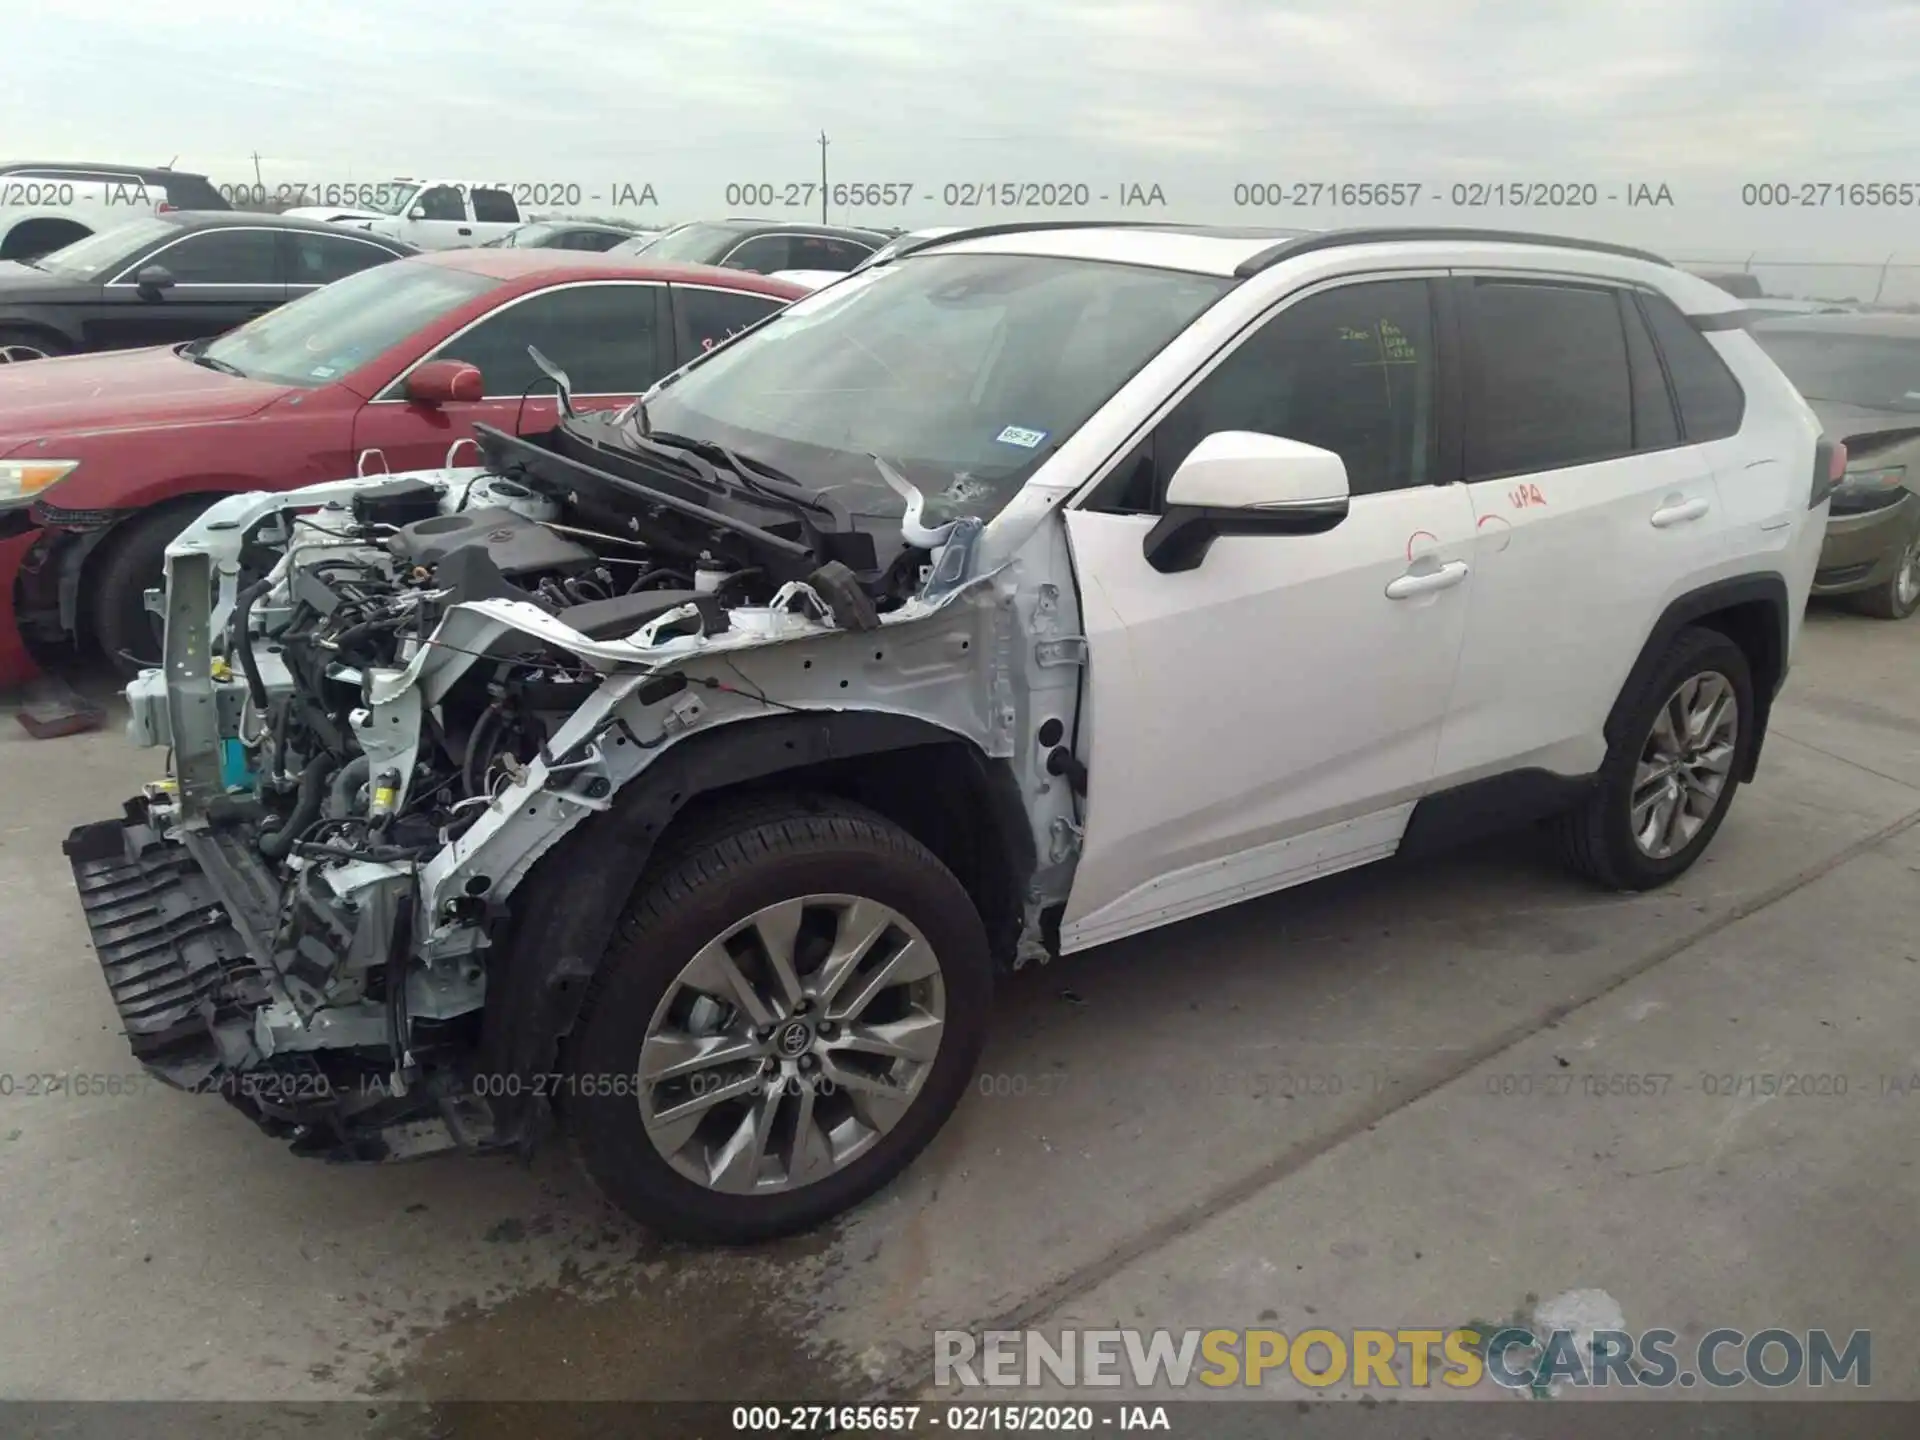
(1591, 515)
(1273, 714)
(439, 219)
(494, 214)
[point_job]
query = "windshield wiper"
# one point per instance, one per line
(776, 486)
(200, 357)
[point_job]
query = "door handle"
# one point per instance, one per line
(1426, 582)
(1679, 513)
(466, 230)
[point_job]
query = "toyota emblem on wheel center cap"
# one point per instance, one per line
(794, 1040)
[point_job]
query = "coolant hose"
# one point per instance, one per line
(352, 776)
(240, 637)
(306, 809)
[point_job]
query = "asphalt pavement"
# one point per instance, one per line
(1336, 1106)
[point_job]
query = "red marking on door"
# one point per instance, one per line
(1524, 495)
(1414, 538)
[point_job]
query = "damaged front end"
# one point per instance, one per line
(387, 700)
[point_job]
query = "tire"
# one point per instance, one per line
(18, 346)
(1596, 839)
(1898, 596)
(131, 561)
(743, 858)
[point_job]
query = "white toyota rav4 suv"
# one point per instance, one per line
(698, 766)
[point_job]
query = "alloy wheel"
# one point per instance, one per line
(791, 1044)
(1906, 580)
(1685, 764)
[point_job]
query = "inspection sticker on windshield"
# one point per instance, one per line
(1026, 439)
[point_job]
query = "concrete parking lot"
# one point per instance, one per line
(1306, 1110)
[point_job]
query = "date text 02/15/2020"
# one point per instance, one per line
(933, 1420)
(382, 194)
(955, 195)
(1462, 195)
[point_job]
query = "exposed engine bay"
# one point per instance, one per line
(386, 699)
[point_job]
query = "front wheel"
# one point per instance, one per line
(19, 346)
(793, 1005)
(1898, 596)
(131, 561)
(1670, 774)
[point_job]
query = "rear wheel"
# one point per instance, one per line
(1668, 779)
(1898, 596)
(18, 346)
(793, 1006)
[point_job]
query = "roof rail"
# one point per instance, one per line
(1335, 239)
(1020, 227)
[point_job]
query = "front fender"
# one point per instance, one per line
(563, 914)
(31, 317)
(141, 495)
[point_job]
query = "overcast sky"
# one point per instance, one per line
(1193, 95)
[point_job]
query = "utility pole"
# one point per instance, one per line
(823, 177)
(256, 172)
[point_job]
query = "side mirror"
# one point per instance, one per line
(1237, 482)
(152, 279)
(439, 382)
(418, 212)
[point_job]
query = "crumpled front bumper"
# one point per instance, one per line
(175, 965)
(179, 971)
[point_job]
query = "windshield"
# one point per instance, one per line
(322, 336)
(527, 235)
(912, 237)
(387, 199)
(963, 372)
(690, 244)
(1876, 372)
(104, 252)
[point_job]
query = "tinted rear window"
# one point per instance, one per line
(1711, 401)
(1549, 387)
(192, 192)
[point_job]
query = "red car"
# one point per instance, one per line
(105, 458)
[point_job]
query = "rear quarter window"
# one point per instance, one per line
(194, 192)
(1712, 404)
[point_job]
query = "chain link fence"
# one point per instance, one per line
(1890, 282)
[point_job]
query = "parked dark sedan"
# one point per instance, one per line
(1861, 374)
(567, 235)
(163, 279)
(762, 246)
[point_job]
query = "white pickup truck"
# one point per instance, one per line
(432, 214)
(47, 205)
